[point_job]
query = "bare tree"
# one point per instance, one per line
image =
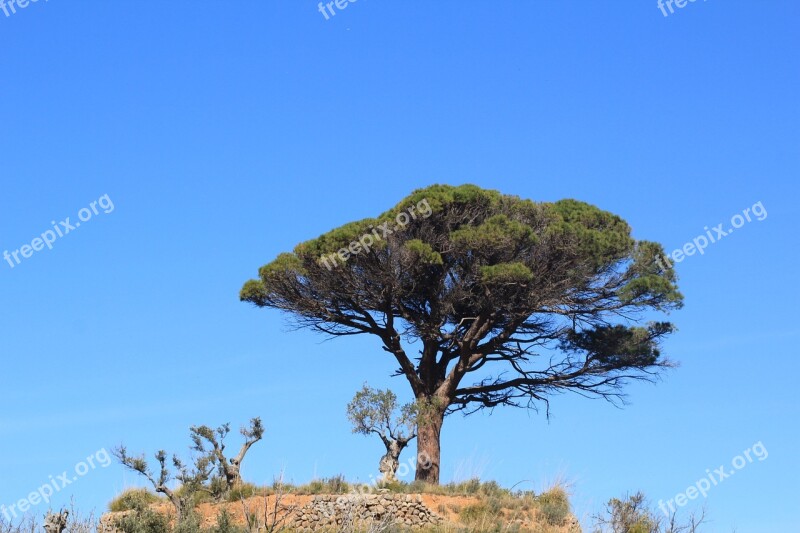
(695, 520)
(273, 516)
(26, 524)
(375, 411)
(229, 467)
(191, 479)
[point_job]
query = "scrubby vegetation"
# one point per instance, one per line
(196, 480)
(468, 506)
(131, 499)
(633, 514)
(76, 523)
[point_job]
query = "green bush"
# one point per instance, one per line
(470, 487)
(473, 513)
(554, 506)
(225, 524)
(132, 499)
(493, 490)
(189, 524)
(420, 487)
(143, 520)
(194, 496)
(330, 485)
(243, 491)
(218, 488)
(395, 486)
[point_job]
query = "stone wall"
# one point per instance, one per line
(349, 512)
(333, 512)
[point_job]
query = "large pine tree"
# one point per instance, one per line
(506, 301)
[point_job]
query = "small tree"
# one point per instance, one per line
(632, 515)
(229, 468)
(191, 480)
(374, 411)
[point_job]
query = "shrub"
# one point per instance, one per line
(189, 524)
(633, 515)
(218, 488)
(486, 517)
(394, 486)
(336, 484)
(473, 513)
(132, 499)
(193, 496)
(331, 485)
(225, 524)
(493, 489)
(243, 491)
(143, 520)
(554, 506)
(467, 488)
(420, 487)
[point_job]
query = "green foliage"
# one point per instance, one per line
(146, 520)
(493, 489)
(554, 506)
(143, 520)
(496, 234)
(629, 515)
(423, 252)
(470, 487)
(376, 411)
(253, 291)
(619, 345)
(218, 488)
(474, 513)
(655, 278)
(472, 236)
(243, 491)
(131, 499)
(336, 239)
(225, 524)
(505, 273)
(496, 508)
(190, 523)
(486, 277)
(330, 485)
(194, 494)
(599, 237)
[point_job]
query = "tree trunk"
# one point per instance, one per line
(428, 445)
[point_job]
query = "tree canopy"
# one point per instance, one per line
(528, 299)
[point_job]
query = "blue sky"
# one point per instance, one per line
(224, 134)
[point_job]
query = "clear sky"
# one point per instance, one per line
(225, 133)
